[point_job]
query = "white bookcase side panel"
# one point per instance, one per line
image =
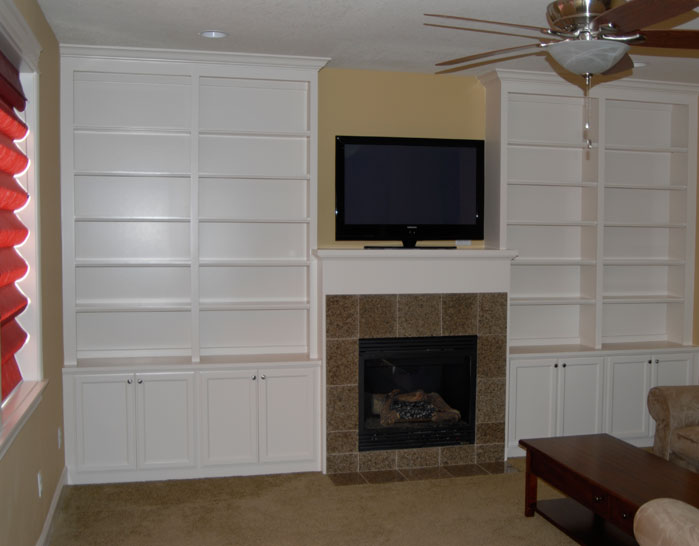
(133, 331)
(560, 242)
(532, 416)
(253, 241)
(649, 280)
(131, 196)
(644, 243)
(132, 240)
(532, 203)
(253, 284)
(253, 329)
(134, 283)
(131, 100)
(253, 105)
(97, 152)
(644, 206)
(253, 155)
(635, 322)
(553, 281)
(253, 199)
(546, 118)
(632, 123)
(545, 324)
(547, 164)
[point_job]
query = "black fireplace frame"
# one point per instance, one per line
(452, 351)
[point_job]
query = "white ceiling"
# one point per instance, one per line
(358, 34)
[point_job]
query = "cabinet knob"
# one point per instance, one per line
(129, 381)
(140, 381)
(624, 515)
(263, 376)
(564, 364)
(555, 365)
(650, 361)
(657, 361)
(254, 377)
(599, 498)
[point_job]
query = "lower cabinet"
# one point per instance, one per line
(260, 415)
(220, 421)
(562, 395)
(134, 420)
(554, 397)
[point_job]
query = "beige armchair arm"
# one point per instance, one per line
(672, 408)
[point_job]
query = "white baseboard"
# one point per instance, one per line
(52, 509)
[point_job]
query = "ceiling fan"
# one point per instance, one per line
(589, 37)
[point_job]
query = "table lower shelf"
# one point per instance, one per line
(581, 524)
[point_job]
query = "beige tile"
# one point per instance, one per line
(465, 470)
(492, 313)
(457, 455)
(419, 315)
(342, 408)
(490, 433)
(459, 314)
(377, 460)
(341, 317)
(417, 458)
(492, 356)
(378, 316)
(343, 464)
(342, 359)
(432, 473)
(383, 476)
(349, 478)
(490, 401)
(342, 442)
(490, 453)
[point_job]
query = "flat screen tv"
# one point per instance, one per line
(408, 189)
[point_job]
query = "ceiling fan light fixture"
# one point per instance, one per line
(587, 56)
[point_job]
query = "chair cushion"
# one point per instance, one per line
(685, 442)
(666, 522)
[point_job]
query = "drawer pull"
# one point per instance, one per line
(624, 515)
(599, 498)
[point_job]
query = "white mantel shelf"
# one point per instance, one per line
(419, 270)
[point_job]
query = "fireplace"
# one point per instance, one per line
(416, 392)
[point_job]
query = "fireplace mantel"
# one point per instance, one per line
(406, 271)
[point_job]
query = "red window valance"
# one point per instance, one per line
(13, 197)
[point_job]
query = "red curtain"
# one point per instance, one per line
(12, 232)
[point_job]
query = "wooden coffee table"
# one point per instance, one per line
(605, 479)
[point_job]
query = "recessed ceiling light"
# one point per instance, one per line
(213, 34)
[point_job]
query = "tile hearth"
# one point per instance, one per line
(351, 317)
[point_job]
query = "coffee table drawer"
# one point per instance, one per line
(621, 514)
(575, 486)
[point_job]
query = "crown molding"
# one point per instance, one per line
(180, 55)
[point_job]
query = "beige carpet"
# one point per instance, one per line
(303, 509)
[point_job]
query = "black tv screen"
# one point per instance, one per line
(408, 189)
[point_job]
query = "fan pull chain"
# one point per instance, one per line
(587, 106)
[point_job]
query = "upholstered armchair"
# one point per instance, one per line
(666, 522)
(676, 413)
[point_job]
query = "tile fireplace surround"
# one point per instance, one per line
(473, 301)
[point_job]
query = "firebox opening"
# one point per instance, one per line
(417, 392)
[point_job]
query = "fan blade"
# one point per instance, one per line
(469, 58)
(638, 14)
(474, 65)
(488, 32)
(624, 64)
(514, 25)
(680, 39)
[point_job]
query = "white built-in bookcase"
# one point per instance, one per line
(605, 234)
(189, 198)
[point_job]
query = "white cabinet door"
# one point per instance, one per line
(289, 424)
(673, 369)
(580, 396)
(229, 417)
(629, 379)
(165, 411)
(532, 399)
(105, 422)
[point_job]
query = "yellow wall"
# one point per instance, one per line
(36, 447)
(362, 102)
